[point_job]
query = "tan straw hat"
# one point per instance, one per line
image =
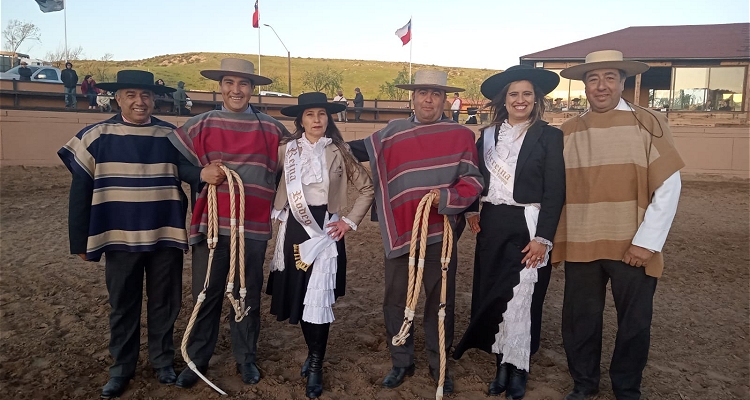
(431, 79)
(604, 59)
(236, 67)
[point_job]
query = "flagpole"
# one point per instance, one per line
(411, 41)
(258, 37)
(65, 19)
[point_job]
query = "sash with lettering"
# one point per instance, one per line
(513, 339)
(319, 249)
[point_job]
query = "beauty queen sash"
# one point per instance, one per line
(319, 249)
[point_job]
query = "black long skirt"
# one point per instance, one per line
(497, 267)
(288, 287)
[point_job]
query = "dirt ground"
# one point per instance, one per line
(54, 314)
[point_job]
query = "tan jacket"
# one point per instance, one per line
(337, 186)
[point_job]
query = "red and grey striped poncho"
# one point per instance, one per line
(408, 160)
(245, 142)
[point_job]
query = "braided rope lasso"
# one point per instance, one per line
(235, 246)
(416, 271)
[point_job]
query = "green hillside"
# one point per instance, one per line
(367, 75)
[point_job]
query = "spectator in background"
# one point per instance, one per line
(70, 81)
(88, 87)
(162, 97)
(724, 106)
(359, 102)
(341, 100)
(180, 99)
(24, 72)
(456, 106)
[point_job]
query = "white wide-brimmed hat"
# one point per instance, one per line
(430, 79)
(604, 59)
(236, 67)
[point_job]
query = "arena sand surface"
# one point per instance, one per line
(54, 314)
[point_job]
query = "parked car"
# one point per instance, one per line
(276, 94)
(38, 74)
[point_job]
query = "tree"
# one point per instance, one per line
(389, 89)
(323, 80)
(18, 32)
(57, 57)
(473, 93)
(101, 69)
(278, 85)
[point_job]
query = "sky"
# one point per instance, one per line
(490, 34)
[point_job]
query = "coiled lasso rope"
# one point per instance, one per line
(419, 233)
(235, 246)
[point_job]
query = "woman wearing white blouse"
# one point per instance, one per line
(308, 271)
(521, 159)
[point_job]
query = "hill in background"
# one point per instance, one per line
(367, 75)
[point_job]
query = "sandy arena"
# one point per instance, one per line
(54, 314)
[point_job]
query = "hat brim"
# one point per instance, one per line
(114, 86)
(544, 79)
(631, 68)
(217, 74)
(294, 111)
(415, 86)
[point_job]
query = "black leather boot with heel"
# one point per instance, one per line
(316, 336)
(502, 376)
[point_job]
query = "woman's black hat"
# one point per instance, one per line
(546, 80)
(312, 100)
(134, 79)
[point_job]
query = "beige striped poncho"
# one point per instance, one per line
(612, 167)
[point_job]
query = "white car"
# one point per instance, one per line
(39, 73)
(274, 94)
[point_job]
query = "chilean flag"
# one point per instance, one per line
(404, 33)
(256, 16)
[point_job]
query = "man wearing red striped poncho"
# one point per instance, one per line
(410, 158)
(246, 141)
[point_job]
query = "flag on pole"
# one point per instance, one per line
(51, 5)
(404, 33)
(256, 16)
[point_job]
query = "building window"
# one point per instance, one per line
(568, 95)
(707, 89)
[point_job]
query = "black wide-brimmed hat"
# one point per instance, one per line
(546, 80)
(312, 100)
(134, 79)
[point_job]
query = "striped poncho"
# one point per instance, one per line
(246, 143)
(133, 198)
(613, 165)
(408, 160)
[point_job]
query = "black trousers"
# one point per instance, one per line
(124, 276)
(245, 333)
(394, 303)
(633, 293)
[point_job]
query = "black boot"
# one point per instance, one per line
(314, 386)
(501, 378)
(517, 383)
(316, 336)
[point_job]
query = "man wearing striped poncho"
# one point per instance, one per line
(410, 158)
(246, 141)
(623, 186)
(126, 203)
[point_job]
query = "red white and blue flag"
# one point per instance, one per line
(256, 16)
(404, 33)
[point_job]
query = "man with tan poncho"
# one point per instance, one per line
(623, 186)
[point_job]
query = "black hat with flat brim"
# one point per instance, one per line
(134, 79)
(312, 100)
(544, 79)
